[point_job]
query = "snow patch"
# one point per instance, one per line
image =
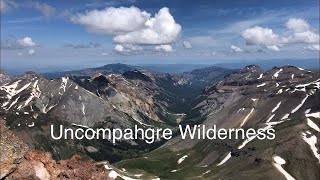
(182, 159)
(315, 115)
(277, 106)
(312, 141)
(277, 73)
(278, 162)
(312, 125)
(206, 172)
(83, 109)
(315, 83)
(261, 85)
(64, 81)
(285, 116)
(241, 109)
(228, 156)
(13, 103)
(31, 125)
(299, 106)
(246, 118)
(270, 118)
(113, 174)
(260, 76)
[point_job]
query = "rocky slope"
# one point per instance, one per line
(285, 98)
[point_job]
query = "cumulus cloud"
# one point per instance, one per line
(313, 47)
(119, 48)
(131, 25)
(260, 36)
(303, 37)
(26, 42)
(165, 48)
(300, 32)
(187, 45)
(297, 25)
(112, 20)
(31, 52)
(236, 49)
(161, 29)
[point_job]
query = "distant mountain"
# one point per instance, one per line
(173, 68)
(106, 69)
(309, 64)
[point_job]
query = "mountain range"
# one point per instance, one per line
(120, 96)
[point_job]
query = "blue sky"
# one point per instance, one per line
(52, 35)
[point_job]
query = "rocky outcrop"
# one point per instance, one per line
(39, 165)
(11, 149)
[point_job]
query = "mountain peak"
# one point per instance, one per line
(135, 74)
(252, 68)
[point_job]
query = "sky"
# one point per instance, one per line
(55, 35)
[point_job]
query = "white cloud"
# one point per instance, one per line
(131, 25)
(300, 33)
(112, 20)
(202, 40)
(127, 48)
(236, 49)
(260, 36)
(187, 45)
(31, 51)
(26, 42)
(313, 47)
(165, 47)
(161, 29)
(303, 37)
(119, 48)
(273, 48)
(297, 25)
